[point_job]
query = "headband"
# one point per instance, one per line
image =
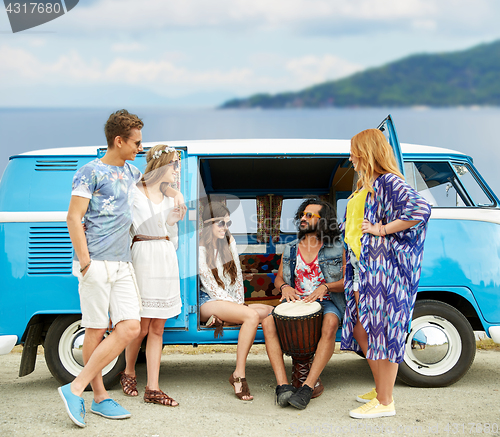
(158, 153)
(213, 219)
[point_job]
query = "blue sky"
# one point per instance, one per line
(202, 52)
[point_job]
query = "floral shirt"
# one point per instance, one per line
(308, 277)
(109, 214)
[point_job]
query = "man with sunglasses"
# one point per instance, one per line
(102, 197)
(310, 270)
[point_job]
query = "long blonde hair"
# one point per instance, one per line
(156, 167)
(375, 155)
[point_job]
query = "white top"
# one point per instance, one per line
(151, 218)
(231, 293)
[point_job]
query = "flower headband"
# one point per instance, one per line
(158, 153)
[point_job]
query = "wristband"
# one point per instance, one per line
(284, 285)
(327, 289)
(83, 268)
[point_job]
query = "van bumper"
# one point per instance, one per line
(7, 343)
(494, 332)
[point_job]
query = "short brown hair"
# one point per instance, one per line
(119, 124)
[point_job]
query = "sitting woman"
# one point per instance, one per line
(222, 292)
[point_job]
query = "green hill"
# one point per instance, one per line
(469, 77)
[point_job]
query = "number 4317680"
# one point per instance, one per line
(33, 8)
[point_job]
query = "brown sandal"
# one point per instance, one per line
(129, 384)
(245, 390)
(218, 324)
(158, 397)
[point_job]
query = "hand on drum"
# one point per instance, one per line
(319, 293)
(289, 294)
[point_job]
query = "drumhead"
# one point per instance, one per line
(297, 309)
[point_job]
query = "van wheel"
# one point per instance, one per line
(439, 349)
(63, 352)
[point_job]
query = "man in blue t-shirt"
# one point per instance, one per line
(101, 196)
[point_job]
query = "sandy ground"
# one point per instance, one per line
(30, 406)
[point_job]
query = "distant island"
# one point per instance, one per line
(469, 77)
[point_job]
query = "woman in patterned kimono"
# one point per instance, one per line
(222, 296)
(384, 231)
(154, 244)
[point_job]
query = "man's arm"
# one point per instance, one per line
(77, 209)
(168, 191)
(288, 293)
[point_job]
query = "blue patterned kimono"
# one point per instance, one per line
(389, 271)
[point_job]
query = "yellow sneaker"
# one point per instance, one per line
(373, 409)
(367, 397)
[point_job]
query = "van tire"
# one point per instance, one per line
(444, 364)
(65, 361)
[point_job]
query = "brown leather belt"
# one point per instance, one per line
(139, 237)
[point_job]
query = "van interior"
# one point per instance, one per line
(276, 186)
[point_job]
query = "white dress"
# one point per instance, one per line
(155, 262)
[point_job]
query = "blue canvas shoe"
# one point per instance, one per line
(110, 409)
(75, 406)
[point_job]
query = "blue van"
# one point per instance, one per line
(262, 182)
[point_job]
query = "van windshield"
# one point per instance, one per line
(447, 185)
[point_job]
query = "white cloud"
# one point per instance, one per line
(167, 77)
(333, 16)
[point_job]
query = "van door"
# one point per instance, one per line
(389, 130)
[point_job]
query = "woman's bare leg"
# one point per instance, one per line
(132, 350)
(238, 314)
(154, 346)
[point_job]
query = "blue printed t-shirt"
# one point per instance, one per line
(109, 214)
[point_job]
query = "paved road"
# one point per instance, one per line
(30, 406)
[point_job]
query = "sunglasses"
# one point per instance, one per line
(175, 164)
(310, 215)
(137, 143)
(222, 223)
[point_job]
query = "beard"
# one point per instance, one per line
(308, 229)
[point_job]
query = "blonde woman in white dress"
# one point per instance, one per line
(154, 244)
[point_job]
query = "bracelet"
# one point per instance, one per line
(327, 289)
(83, 268)
(284, 285)
(385, 230)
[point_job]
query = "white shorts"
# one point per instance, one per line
(107, 291)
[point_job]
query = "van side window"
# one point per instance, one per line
(446, 185)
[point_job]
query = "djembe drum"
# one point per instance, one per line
(299, 329)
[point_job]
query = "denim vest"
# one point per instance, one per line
(330, 263)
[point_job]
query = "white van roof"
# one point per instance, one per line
(250, 146)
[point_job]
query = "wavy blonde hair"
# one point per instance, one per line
(156, 168)
(375, 155)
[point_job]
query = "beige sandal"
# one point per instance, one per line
(158, 397)
(129, 384)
